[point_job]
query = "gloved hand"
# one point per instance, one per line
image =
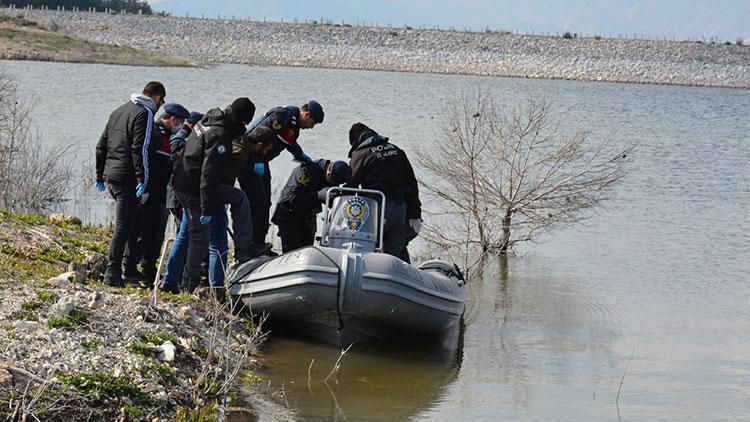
(144, 198)
(259, 169)
(322, 194)
(205, 219)
(100, 186)
(304, 158)
(140, 188)
(415, 224)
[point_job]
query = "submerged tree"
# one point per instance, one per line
(31, 178)
(505, 176)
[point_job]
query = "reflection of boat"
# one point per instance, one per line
(343, 290)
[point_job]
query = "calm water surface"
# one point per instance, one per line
(661, 274)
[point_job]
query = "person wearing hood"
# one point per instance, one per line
(199, 188)
(255, 180)
(147, 237)
(378, 164)
(121, 167)
(300, 200)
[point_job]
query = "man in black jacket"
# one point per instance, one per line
(199, 188)
(377, 164)
(301, 198)
(121, 164)
(145, 242)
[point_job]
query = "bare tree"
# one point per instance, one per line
(31, 178)
(504, 176)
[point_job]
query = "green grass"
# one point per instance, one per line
(31, 305)
(139, 348)
(46, 296)
(24, 315)
(102, 384)
(91, 344)
(157, 338)
(76, 317)
(152, 368)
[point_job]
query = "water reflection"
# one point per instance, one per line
(393, 381)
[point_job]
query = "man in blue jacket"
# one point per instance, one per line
(300, 200)
(120, 159)
(255, 181)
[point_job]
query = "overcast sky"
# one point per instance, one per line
(725, 20)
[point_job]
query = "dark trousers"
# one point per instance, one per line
(394, 232)
(145, 242)
(198, 237)
(297, 232)
(242, 219)
(126, 207)
(258, 192)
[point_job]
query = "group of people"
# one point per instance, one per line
(189, 164)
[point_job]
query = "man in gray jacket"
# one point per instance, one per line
(121, 163)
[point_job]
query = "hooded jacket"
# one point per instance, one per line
(377, 164)
(299, 198)
(207, 151)
(120, 152)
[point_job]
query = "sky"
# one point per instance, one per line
(710, 20)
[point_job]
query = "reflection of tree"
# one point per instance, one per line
(529, 331)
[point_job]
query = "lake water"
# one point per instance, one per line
(657, 282)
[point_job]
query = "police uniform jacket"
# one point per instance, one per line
(207, 151)
(284, 121)
(380, 165)
(176, 146)
(299, 198)
(159, 161)
(119, 152)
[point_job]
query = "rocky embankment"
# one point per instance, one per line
(410, 50)
(74, 349)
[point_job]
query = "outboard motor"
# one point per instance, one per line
(354, 217)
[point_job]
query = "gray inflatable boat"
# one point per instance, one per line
(343, 289)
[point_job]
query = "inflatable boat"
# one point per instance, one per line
(343, 288)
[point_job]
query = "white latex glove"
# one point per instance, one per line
(144, 198)
(322, 194)
(415, 224)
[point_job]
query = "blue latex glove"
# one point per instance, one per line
(100, 186)
(259, 169)
(304, 158)
(205, 219)
(139, 189)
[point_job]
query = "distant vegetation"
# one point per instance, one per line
(130, 6)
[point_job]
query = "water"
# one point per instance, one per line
(660, 274)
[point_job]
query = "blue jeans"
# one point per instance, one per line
(217, 249)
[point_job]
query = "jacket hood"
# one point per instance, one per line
(372, 140)
(144, 101)
(224, 118)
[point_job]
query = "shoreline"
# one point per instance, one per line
(428, 51)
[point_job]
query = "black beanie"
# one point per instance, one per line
(359, 132)
(244, 109)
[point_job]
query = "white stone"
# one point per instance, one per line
(167, 352)
(27, 325)
(64, 306)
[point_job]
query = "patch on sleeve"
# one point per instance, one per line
(276, 125)
(221, 149)
(304, 178)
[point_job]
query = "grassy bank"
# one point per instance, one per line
(23, 39)
(74, 349)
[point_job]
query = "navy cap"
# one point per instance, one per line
(176, 110)
(340, 172)
(194, 117)
(316, 111)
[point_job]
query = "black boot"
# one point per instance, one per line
(253, 251)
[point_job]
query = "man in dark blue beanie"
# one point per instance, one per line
(255, 181)
(300, 200)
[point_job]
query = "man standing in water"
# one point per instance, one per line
(255, 181)
(120, 163)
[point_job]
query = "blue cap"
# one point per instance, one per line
(176, 110)
(340, 172)
(316, 111)
(194, 117)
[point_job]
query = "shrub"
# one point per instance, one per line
(567, 35)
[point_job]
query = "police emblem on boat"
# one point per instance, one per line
(355, 212)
